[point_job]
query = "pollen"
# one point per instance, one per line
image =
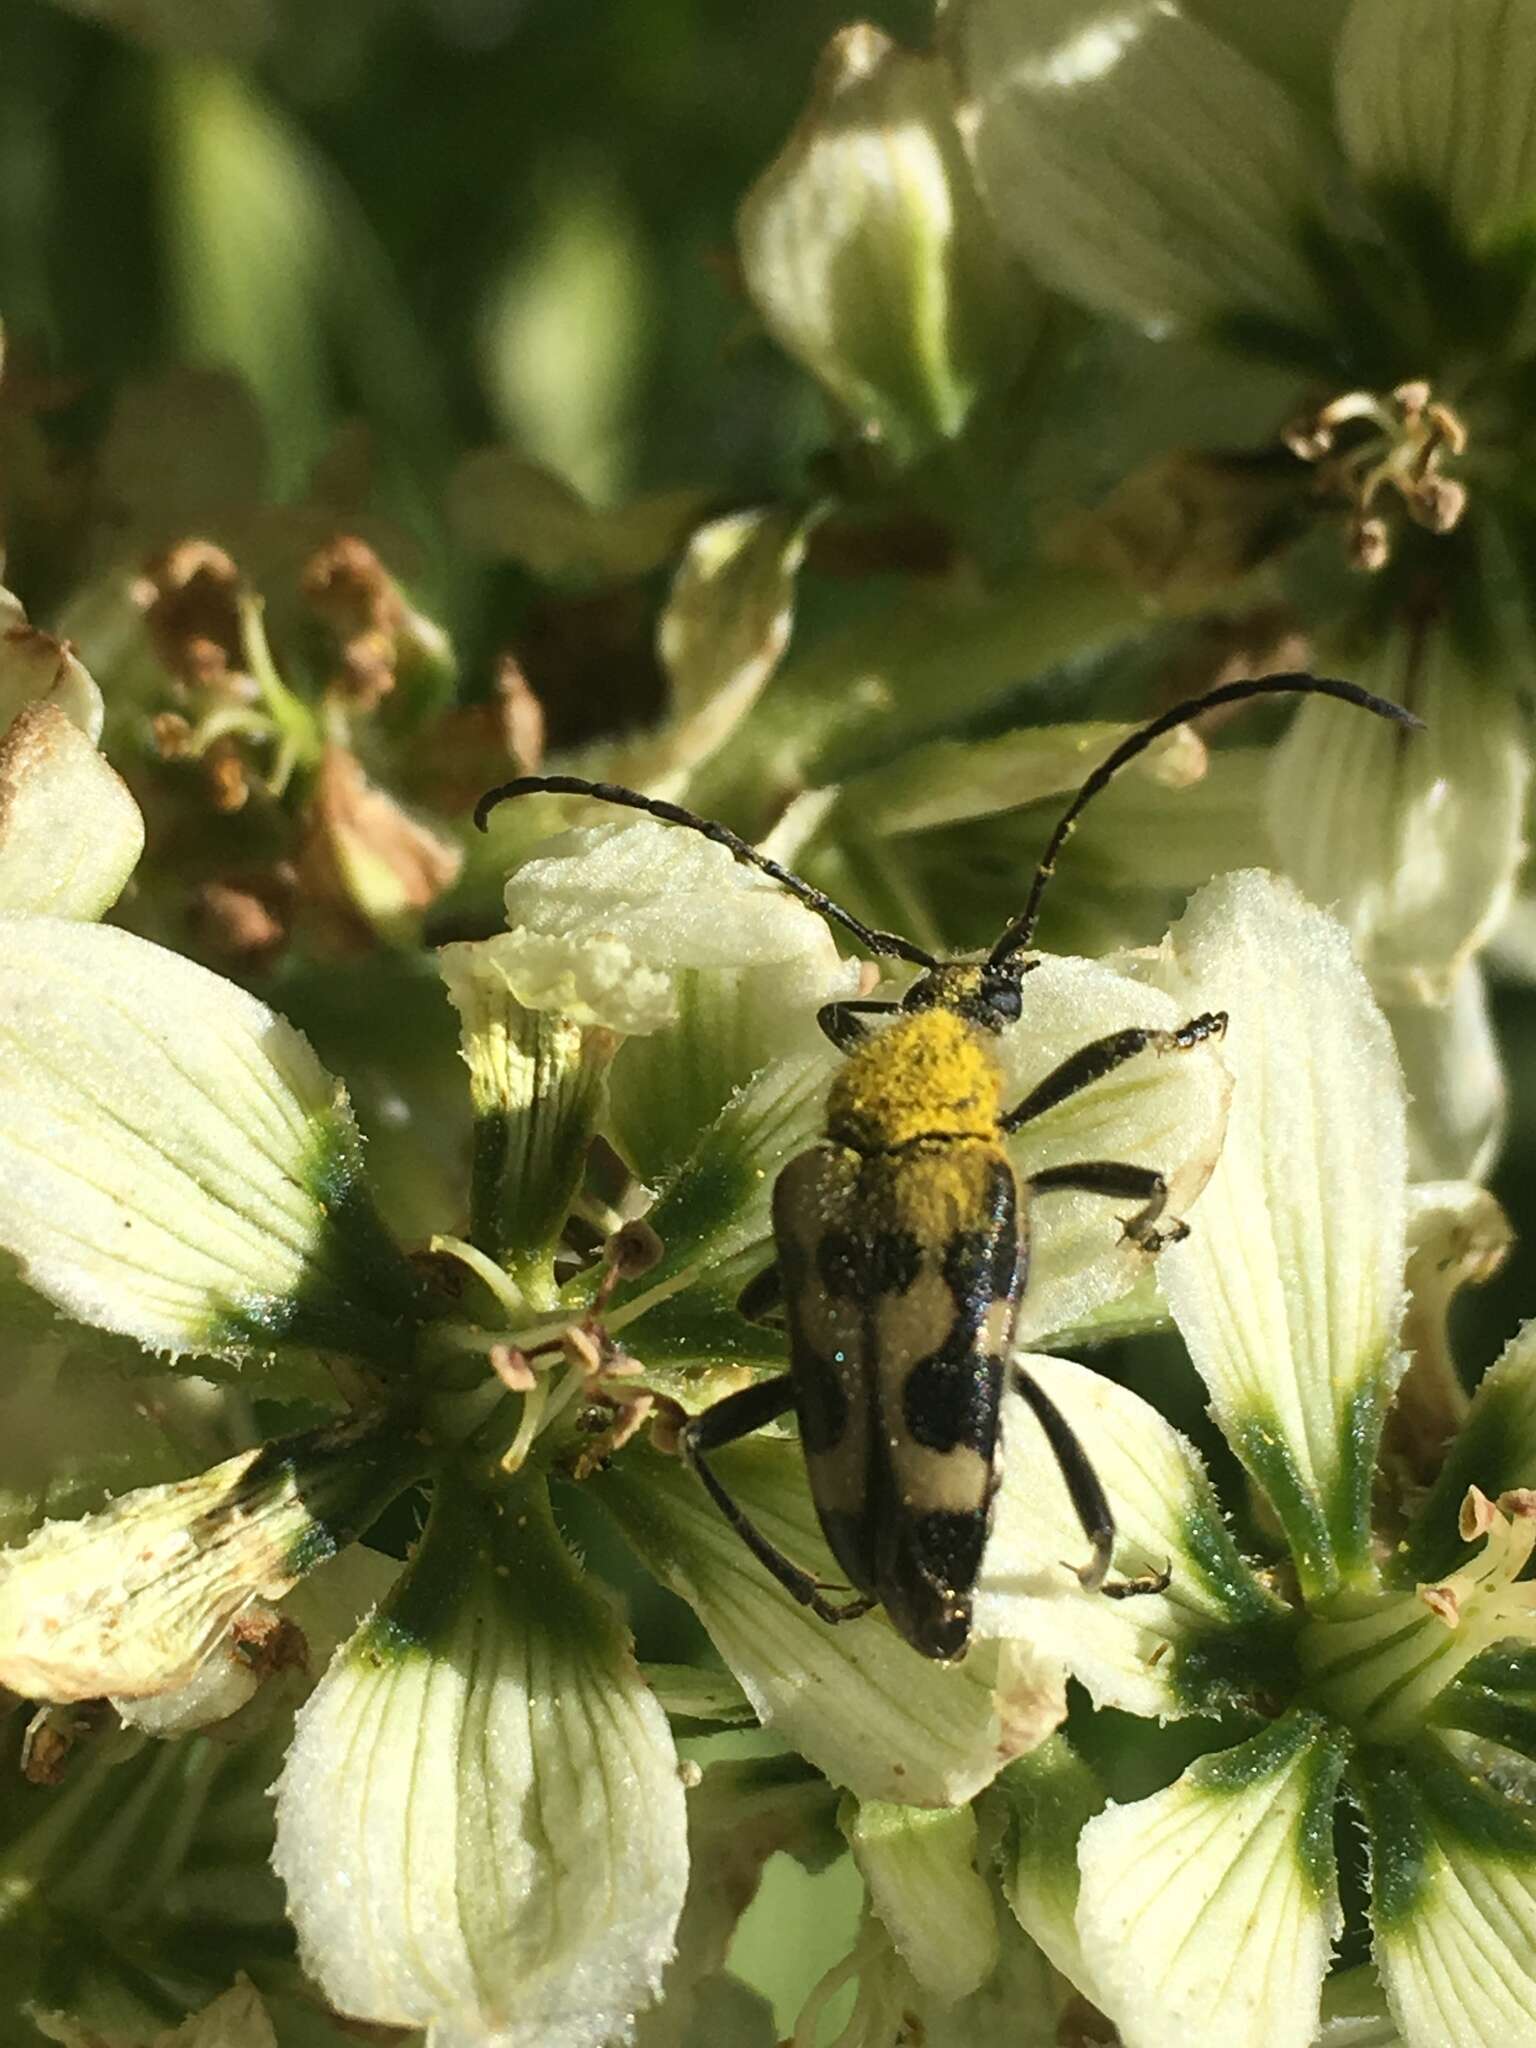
(928, 1075)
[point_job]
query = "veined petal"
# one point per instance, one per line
(1138, 162)
(536, 1083)
(1494, 1450)
(1453, 1901)
(726, 623)
(1211, 1908)
(1185, 1650)
(175, 1164)
(868, 253)
(1052, 1795)
(1458, 1236)
(659, 934)
(131, 1601)
(70, 833)
(1437, 100)
(869, 1712)
(1161, 1109)
(1288, 1291)
(1457, 1095)
(480, 1823)
(1413, 840)
(920, 1867)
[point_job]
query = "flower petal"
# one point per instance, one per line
(132, 1601)
(70, 833)
(1210, 1909)
(920, 1867)
(1288, 1291)
(660, 934)
(480, 1823)
(1494, 1450)
(869, 1712)
(1138, 162)
(1163, 1110)
(868, 253)
(1436, 100)
(536, 1083)
(237, 2019)
(1413, 840)
(1457, 1095)
(37, 669)
(1052, 1795)
(1458, 1236)
(175, 1164)
(726, 623)
(1181, 1651)
(1453, 1902)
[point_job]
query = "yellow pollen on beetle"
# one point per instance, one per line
(928, 1075)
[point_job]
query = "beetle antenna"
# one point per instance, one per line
(1019, 934)
(888, 945)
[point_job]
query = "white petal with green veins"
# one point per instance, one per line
(866, 1709)
(481, 1825)
(1141, 1655)
(175, 1164)
(1052, 1795)
(920, 1867)
(1454, 1902)
(660, 934)
(726, 623)
(1494, 1449)
(1165, 1110)
(1211, 1908)
(132, 1600)
(1288, 1290)
(1437, 100)
(1137, 161)
(1412, 839)
(536, 1082)
(867, 251)
(70, 833)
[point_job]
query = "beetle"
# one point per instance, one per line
(902, 1244)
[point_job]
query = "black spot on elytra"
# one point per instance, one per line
(949, 1546)
(820, 1401)
(865, 1268)
(951, 1398)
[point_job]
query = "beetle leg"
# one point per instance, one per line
(1142, 1184)
(734, 1417)
(1088, 1498)
(840, 1021)
(1092, 1062)
(762, 1295)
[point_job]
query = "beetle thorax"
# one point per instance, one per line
(927, 1075)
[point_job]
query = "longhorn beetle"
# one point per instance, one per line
(903, 1245)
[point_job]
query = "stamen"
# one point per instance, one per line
(1403, 441)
